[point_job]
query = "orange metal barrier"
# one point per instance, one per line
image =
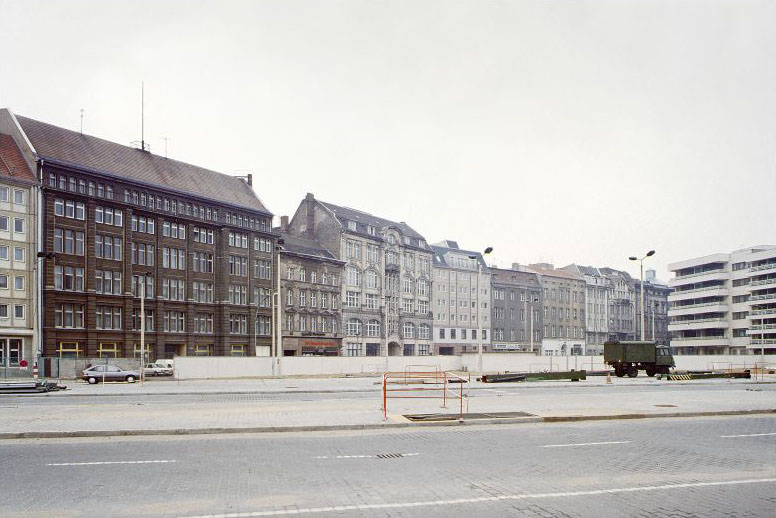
(434, 384)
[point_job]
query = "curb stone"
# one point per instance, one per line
(382, 426)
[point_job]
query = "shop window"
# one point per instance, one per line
(238, 350)
(203, 350)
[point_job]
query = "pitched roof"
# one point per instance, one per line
(362, 219)
(441, 252)
(12, 163)
(73, 149)
(304, 246)
(556, 273)
(515, 277)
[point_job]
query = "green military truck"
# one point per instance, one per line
(628, 357)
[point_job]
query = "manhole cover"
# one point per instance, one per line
(454, 417)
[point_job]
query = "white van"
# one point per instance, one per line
(166, 363)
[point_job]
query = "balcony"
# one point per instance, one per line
(710, 275)
(761, 329)
(763, 267)
(767, 296)
(762, 313)
(701, 323)
(763, 282)
(692, 309)
(767, 341)
(709, 291)
(701, 341)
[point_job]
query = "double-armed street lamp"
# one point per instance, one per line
(641, 265)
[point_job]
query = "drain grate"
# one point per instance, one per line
(667, 406)
(389, 455)
(454, 417)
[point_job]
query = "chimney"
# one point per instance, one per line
(284, 223)
(249, 178)
(516, 266)
(309, 230)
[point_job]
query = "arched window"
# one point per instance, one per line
(373, 328)
(354, 327)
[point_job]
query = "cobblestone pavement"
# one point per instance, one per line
(701, 467)
(354, 402)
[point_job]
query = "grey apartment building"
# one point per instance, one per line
(563, 310)
(386, 289)
(310, 291)
(597, 291)
(516, 310)
(461, 299)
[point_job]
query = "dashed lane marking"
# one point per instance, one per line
(750, 435)
(110, 462)
(458, 501)
(583, 444)
(362, 456)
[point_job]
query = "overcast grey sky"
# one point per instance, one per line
(564, 131)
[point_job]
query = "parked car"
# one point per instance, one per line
(157, 369)
(165, 363)
(97, 373)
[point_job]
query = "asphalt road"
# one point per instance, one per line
(720, 466)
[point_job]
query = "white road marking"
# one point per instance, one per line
(360, 456)
(110, 462)
(750, 435)
(458, 501)
(583, 444)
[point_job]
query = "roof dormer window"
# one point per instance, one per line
(371, 230)
(352, 225)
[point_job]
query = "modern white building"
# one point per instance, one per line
(724, 303)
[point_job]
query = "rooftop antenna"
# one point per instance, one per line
(165, 146)
(82, 121)
(142, 116)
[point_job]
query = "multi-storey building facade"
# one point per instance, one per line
(123, 224)
(18, 248)
(597, 307)
(386, 290)
(622, 306)
(724, 303)
(310, 291)
(563, 310)
(656, 304)
(516, 314)
(461, 299)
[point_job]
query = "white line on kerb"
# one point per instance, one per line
(457, 501)
(359, 456)
(583, 444)
(110, 462)
(750, 435)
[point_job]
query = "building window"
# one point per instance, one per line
(174, 322)
(105, 246)
(203, 350)
(409, 330)
(354, 327)
(69, 316)
(108, 350)
(70, 350)
(353, 349)
(373, 328)
(68, 278)
(108, 317)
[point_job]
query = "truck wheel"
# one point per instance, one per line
(619, 371)
(633, 371)
(650, 371)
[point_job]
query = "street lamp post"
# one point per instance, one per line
(277, 345)
(641, 265)
(479, 319)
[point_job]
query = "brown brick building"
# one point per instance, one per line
(122, 222)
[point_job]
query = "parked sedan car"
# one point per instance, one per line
(97, 373)
(157, 369)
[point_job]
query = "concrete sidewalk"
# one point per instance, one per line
(304, 404)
